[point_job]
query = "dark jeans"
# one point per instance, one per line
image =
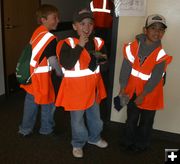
(139, 125)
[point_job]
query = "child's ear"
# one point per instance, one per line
(43, 19)
(74, 27)
(144, 30)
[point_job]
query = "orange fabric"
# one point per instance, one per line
(153, 100)
(41, 87)
(79, 93)
(58, 48)
(102, 19)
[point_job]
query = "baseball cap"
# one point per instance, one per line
(82, 14)
(155, 18)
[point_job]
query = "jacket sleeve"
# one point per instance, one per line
(69, 56)
(155, 77)
(125, 73)
(49, 51)
(104, 67)
(54, 63)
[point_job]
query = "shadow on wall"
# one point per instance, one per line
(63, 34)
(13, 85)
(63, 30)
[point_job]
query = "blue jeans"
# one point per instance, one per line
(30, 115)
(80, 133)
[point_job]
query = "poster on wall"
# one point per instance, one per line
(130, 7)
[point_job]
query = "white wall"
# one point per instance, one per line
(167, 119)
(2, 85)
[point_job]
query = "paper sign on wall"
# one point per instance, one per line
(130, 7)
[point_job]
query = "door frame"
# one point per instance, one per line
(6, 81)
(3, 46)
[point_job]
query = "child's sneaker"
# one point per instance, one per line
(101, 143)
(77, 152)
(25, 135)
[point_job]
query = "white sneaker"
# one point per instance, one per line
(77, 152)
(101, 143)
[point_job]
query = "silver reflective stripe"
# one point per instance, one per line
(71, 41)
(160, 54)
(99, 41)
(77, 66)
(163, 74)
(63, 70)
(140, 75)
(80, 73)
(42, 69)
(100, 9)
(77, 72)
(38, 47)
(129, 54)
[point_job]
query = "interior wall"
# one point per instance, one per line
(167, 119)
(128, 27)
(2, 85)
(67, 7)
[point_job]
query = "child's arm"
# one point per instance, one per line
(152, 82)
(54, 63)
(124, 74)
(69, 56)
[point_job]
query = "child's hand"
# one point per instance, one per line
(102, 59)
(83, 39)
(139, 99)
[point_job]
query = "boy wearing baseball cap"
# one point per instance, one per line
(82, 86)
(141, 79)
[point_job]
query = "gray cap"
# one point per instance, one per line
(155, 18)
(82, 14)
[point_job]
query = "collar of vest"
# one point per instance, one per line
(131, 57)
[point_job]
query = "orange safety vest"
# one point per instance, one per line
(140, 74)
(80, 86)
(41, 87)
(101, 11)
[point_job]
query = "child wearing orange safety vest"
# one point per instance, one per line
(82, 87)
(40, 92)
(141, 81)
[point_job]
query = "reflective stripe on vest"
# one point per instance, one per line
(71, 41)
(103, 9)
(99, 41)
(131, 58)
(77, 72)
(43, 69)
(136, 73)
(160, 54)
(129, 54)
(140, 75)
(80, 73)
(38, 47)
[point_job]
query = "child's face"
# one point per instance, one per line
(85, 27)
(51, 21)
(155, 32)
